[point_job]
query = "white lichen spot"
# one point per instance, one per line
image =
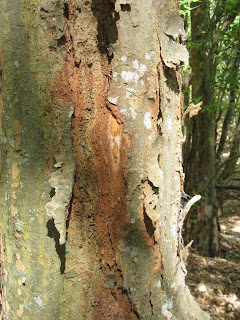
(169, 123)
(19, 224)
(129, 76)
(134, 252)
(147, 120)
(114, 75)
(166, 307)
(132, 221)
(124, 58)
(16, 64)
(142, 82)
(159, 284)
(173, 285)
(122, 246)
(123, 111)
(31, 219)
(147, 56)
(113, 100)
(141, 175)
(135, 64)
(133, 113)
(170, 303)
(149, 137)
(38, 300)
(6, 196)
(142, 68)
(128, 94)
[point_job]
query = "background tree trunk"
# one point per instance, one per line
(199, 160)
(91, 168)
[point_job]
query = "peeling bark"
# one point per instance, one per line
(104, 137)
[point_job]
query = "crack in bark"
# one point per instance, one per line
(60, 248)
(150, 301)
(148, 223)
(115, 113)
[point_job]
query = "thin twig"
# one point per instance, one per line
(230, 195)
(216, 172)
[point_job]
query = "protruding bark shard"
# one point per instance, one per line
(62, 178)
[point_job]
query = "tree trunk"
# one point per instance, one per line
(199, 162)
(91, 169)
(233, 87)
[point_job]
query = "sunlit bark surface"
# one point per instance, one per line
(91, 168)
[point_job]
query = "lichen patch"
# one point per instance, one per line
(147, 120)
(130, 76)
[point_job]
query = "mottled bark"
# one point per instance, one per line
(91, 168)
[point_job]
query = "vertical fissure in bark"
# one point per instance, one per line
(60, 249)
(150, 301)
(148, 223)
(107, 17)
(66, 12)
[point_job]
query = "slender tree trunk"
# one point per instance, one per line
(230, 166)
(232, 103)
(228, 171)
(91, 168)
(199, 163)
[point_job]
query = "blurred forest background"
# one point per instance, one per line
(211, 153)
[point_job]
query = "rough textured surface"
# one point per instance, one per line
(111, 186)
(62, 179)
(31, 256)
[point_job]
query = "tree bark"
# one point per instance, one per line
(91, 168)
(232, 103)
(199, 162)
